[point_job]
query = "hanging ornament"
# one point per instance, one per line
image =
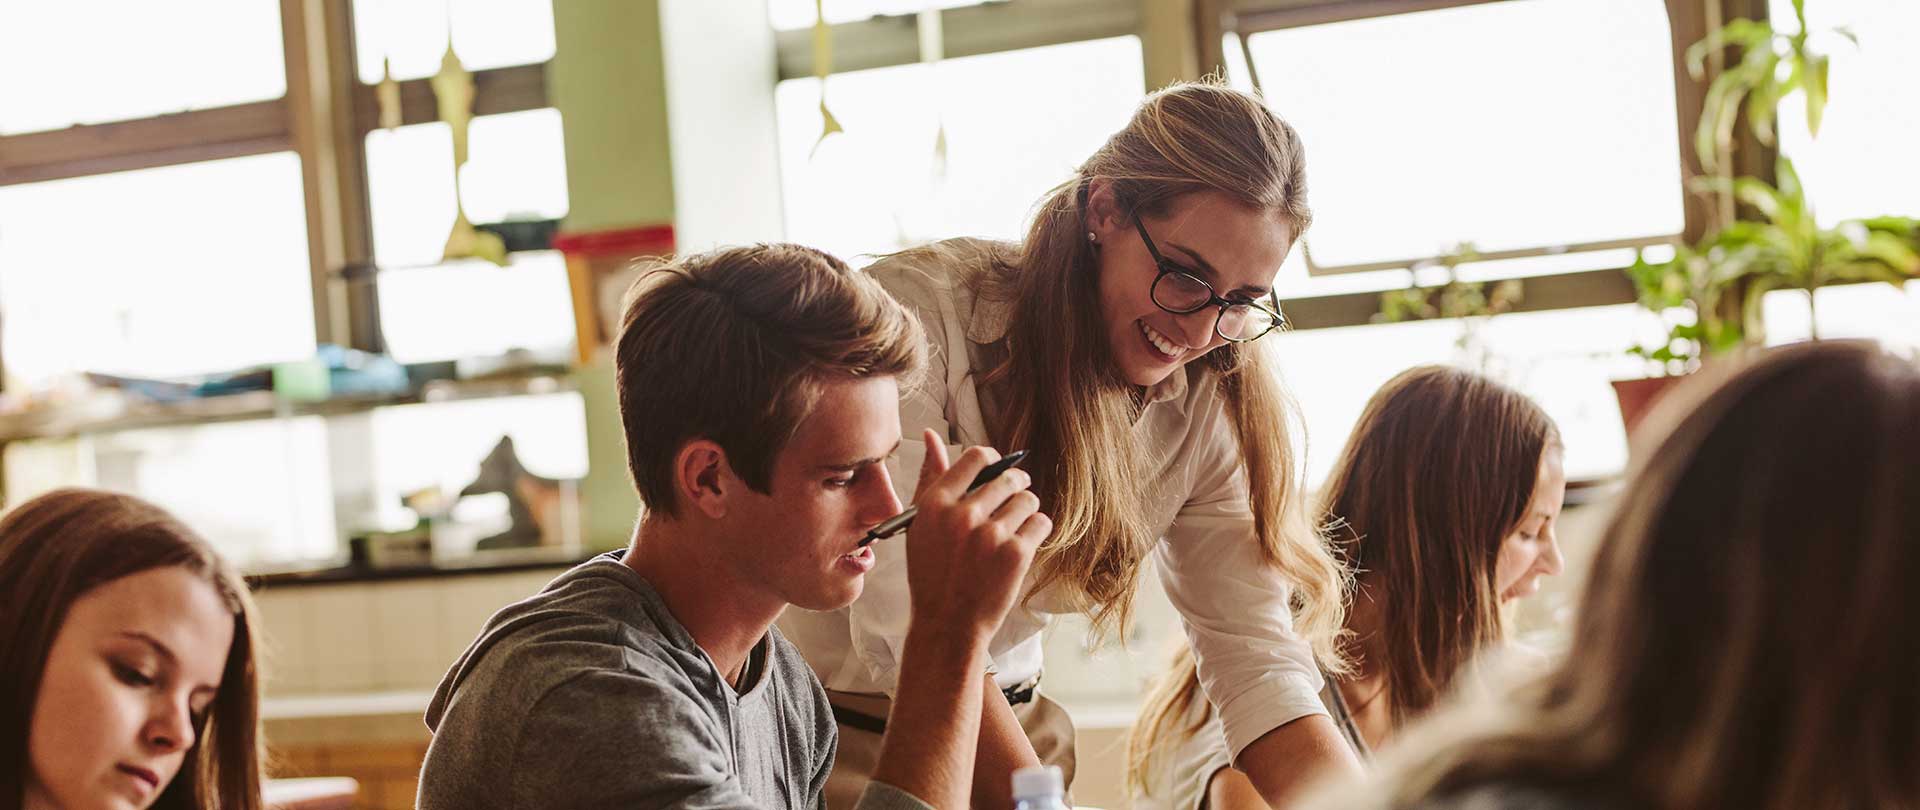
(453, 90)
(823, 65)
(387, 92)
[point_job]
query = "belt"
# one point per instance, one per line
(1017, 694)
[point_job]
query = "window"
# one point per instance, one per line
(1880, 312)
(1017, 123)
(1863, 163)
(256, 490)
(471, 308)
(414, 34)
(1541, 131)
(186, 238)
(1514, 125)
(442, 445)
(788, 15)
(516, 169)
(135, 60)
(153, 272)
(1563, 359)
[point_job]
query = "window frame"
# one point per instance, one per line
(1183, 39)
(324, 118)
(1688, 22)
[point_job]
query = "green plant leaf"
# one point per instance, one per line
(1898, 255)
(1715, 133)
(1751, 191)
(1721, 109)
(1814, 85)
(1742, 32)
(1790, 186)
(1763, 104)
(1660, 286)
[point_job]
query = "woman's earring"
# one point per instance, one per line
(1092, 238)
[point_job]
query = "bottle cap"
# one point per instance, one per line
(1039, 782)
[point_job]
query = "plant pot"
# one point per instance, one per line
(1638, 396)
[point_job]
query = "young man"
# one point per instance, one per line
(759, 389)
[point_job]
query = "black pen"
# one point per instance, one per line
(894, 525)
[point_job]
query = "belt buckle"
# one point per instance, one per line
(1023, 691)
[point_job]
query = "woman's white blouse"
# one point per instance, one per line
(1233, 605)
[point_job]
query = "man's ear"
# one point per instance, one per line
(1103, 217)
(702, 479)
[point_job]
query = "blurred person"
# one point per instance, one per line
(1443, 506)
(1748, 637)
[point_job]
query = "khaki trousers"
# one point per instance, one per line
(1047, 725)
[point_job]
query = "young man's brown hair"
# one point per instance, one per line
(732, 346)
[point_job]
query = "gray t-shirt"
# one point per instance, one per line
(590, 694)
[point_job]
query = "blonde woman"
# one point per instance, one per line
(1444, 504)
(1118, 342)
(1749, 636)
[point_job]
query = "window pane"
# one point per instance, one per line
(1510, 125)
(1563, 359)
(413, 33)
(1880, 312)
(442, 445)
(1010, 138)
(162, 272)
(91, 61)
(258, 490)
(1863, 163)
(516, 169)
(1239, 74)
(790, 14)
(475, 309)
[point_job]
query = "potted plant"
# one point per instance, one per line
(1709, 293)
(1785, 247)
(1473, 302)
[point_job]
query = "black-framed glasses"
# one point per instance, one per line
(1177, 290)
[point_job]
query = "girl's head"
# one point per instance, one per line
(130, 679)
(1215, 180)
(1196, 202)
(1444, 503)
(1749, 635)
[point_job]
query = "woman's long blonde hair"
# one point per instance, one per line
(1749, 635)
(1440, 469)
(1089, 469)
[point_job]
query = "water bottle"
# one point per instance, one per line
(1039, 788)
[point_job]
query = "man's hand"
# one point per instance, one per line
(968, 553)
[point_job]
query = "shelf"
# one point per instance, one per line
(496, 561)
(254, 405)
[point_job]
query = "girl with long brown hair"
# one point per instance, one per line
(1119, 344)
(1444, 506)
(130, 679)
(1749, 636)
